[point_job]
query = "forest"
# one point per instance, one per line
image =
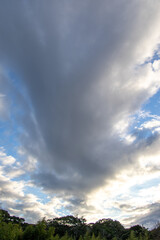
(71, 228)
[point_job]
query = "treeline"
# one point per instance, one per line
(71, 228)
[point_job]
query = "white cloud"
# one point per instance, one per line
(156, 65)
(151, 124)
(15, 172)
(6, 160)
(131, 194)
(17, 201)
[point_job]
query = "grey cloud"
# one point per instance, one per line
(75, 59)
(126, 207)
(4, 102)
(145, 137)
(30, 211)
(151, 218)
(6, 191)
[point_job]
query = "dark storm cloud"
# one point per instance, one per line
(75, 59)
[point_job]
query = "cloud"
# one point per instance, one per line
(20, 197)
(82, 70)
(6, 160)
(4, 111)
(149, 219)
(153, 217)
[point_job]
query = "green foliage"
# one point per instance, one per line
(132, 236)
(39, 231)
(65, 237)
(80, 238)
(74, 226)
(5, 216)
(71, 228)
(114, 238)
(87, 236)
(108, 229)
(50, 233)
(9, 231)
(139, 231)
(29, 233)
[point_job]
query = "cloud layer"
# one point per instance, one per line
(79, 72)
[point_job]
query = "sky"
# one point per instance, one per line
(80, 109)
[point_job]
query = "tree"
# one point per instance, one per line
(114, 238)
(87, 236)
(74, 226)
(139, 231)
(29, 232)
(4, 215)
(132, 236)
(155, 233)
(108, 229)
(9, 231)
